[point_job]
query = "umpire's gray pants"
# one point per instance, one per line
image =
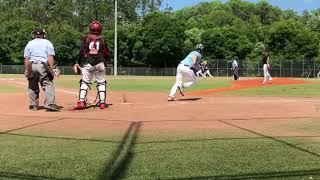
(40, 75)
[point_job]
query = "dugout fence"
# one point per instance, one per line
(218, 67)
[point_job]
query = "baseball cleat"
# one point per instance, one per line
(52, 108)
(102, 105)
(34, 108)
(171, 98)
(80, 106)
(181, 90)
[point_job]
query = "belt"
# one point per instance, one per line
(36, 62)
(185, 65)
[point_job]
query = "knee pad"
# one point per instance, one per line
(101, 88)
(84, 86)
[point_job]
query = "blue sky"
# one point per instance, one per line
(297, 5)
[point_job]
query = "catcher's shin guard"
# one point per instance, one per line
(101, 88)
(84, 86)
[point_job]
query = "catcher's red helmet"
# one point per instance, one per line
(95, 27)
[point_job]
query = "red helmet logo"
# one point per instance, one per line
(95, 27)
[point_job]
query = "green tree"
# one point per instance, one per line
(14, 37)
(160, 40)
(66, 41)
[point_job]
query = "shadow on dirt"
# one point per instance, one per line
(189, 99)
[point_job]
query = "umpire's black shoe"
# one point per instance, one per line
(52, 108)
(34, 108)
(181, 90)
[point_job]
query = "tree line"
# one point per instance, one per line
(152, 34)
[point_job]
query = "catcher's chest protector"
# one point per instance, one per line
(95, 45)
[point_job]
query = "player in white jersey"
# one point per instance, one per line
(266, 67)
(186, 71)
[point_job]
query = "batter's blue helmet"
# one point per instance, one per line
(199, 47)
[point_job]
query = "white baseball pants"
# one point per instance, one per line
(184, 74)
(266, 74)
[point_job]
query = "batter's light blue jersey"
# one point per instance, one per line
(189, 59)
(39, 50)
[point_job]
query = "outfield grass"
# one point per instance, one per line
(9, 89)
(137, 157)
(164, 84)
(153, 84)
(300, 90)
(12, 76)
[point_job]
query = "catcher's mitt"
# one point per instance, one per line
(77, 69)
(50, 73)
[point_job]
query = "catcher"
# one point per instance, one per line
(38, 60)
(93, 54)
(186, 71)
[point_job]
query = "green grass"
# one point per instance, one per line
(164, 84)
(12, 76)
(301, 90)
(146, 84)
(136, 157)
(9, 89)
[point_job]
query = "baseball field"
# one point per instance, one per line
(220, 129)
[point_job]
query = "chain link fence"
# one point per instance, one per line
(218, 67)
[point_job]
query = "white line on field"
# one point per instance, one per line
(25, 83)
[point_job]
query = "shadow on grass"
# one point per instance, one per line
(274, 139)
(154, 142)
(277, 175)
(60, 138)
(9, 175)
(121, 158)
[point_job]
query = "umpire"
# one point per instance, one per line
(38, 61)
(235, 68)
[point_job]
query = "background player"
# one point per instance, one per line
(93, 54)
(38, 60)
(235, 68)
(186, 71)
(206, 69)
(200, 71)
(266, 66)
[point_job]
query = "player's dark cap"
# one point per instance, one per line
(39, 31)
